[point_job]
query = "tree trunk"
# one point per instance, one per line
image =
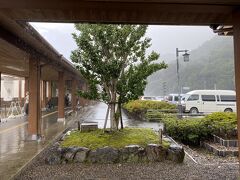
(120, 115)
(117, 115)
(113, 111)
(111, 115)
(106, 118)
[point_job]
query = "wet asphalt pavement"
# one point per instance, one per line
(98, 113)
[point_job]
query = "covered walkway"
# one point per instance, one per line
(16, 150)
(48, 75)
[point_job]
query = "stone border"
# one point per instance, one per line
(225, 142)
(131, 153)
(218, 152)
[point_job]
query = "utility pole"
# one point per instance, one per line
(185, 59)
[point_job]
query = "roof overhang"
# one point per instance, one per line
(22, 41)
(168, 12)
(223, 30)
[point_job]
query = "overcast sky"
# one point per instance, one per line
(165, 39)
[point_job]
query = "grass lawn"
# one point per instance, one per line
(118, 139)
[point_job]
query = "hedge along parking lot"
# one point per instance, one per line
(144, 105)
(193, 130)
(149, 110)
(188, 130)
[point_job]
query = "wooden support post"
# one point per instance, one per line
(26, 86)
(41, 93)
(49, 86)
(236, 37)
(34, 99)
(61, 96)
(44, 94)
(0, 96)
(73, 93)
(81, 99)
(84, 101)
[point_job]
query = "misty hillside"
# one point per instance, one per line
(210, 66)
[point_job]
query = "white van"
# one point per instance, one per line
(208, 101)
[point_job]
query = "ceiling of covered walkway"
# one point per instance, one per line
(18, 39)
(15, 61)
(177, 12)
(19, 42)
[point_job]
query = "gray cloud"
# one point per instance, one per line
(165, 39)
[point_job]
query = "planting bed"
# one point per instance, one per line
(128, 145)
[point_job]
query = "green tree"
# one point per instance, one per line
(112, 58)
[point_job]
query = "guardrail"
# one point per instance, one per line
(13, 110)
(3, 111)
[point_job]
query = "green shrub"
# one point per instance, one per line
(222, 124)
(155, 115)
(188, 131)
(193, 130)
(143, 105)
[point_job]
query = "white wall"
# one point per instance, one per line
(10, 88)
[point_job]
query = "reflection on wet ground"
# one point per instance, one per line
(16, 150)
(98, 114)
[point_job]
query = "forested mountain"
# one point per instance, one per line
(211, 66)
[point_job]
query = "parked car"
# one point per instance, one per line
(208, 101)
(173, 98)
(153, 98)
(160, 98)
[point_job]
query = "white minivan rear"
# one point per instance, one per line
(208, 101)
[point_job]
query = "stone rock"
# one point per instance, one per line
(155, 152)
(103, 155)
(132, 148)
(81, 155)
(132, 153)
(142, 155)
(68, 153)
(53, 158)
(175, 153)
(54, 155)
